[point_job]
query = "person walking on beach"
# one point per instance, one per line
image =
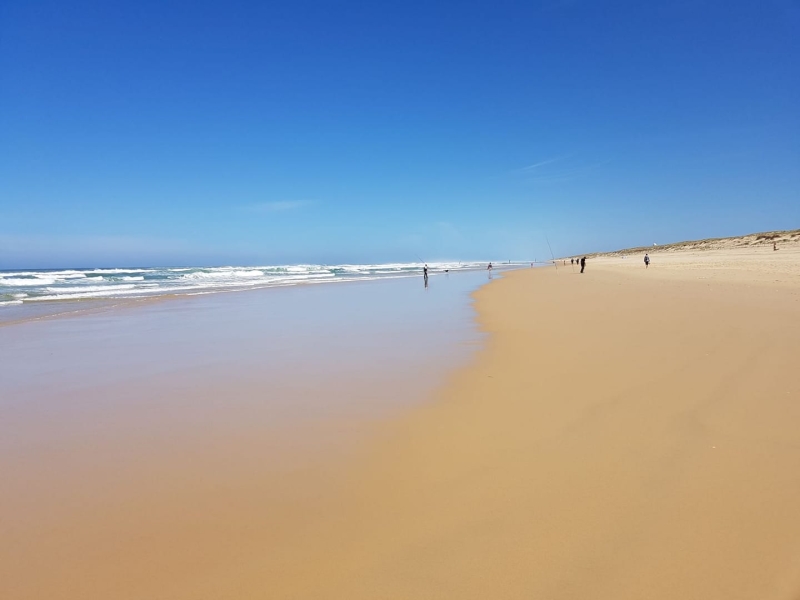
(583, 264)
(646, 261)
(572, 261)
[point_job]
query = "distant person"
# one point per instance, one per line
(774, 246)
(572, 261)
(425, 271)
(583, 264)
(489, 268)
(646, 261)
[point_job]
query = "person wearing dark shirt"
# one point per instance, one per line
(583, 264)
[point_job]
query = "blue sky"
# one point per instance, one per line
(153, 133)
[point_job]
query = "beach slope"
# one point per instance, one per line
(622, 434)
(625, 434)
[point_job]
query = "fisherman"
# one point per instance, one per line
(489, 268)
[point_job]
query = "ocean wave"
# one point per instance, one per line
(57, 274)
(90, 288)
(10, 302)
(219, 274)
(75, 284)
(118, 271)
(27, 282)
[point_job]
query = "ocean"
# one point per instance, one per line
(37, 286)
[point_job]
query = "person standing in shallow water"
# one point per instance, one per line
(583, 264)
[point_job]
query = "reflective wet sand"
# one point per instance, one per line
(142, 447)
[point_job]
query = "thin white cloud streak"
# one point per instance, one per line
(543, 163)
(570, 174)
(278, 206)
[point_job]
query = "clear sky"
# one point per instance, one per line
(166, 133)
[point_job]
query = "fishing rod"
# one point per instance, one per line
(551, 253)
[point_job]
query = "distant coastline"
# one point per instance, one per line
(780, 237)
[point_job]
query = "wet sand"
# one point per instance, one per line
(621, 434)
(624, 434)
(147, 447)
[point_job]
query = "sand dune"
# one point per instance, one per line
(766, 239)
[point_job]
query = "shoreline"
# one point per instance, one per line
(634, 439)
(137, 446)
(50, 309)
(621, 434)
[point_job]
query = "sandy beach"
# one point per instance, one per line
(626, 433)
(290, 310)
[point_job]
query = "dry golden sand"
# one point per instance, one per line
(626, 433)
(623, 434)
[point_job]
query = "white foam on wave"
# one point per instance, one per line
(27, 282)
(220, 274)
(278, 269)
(65, 274)
(133, 278)
(11, 303)
(119, 271)
(90, 288)
(90, 295)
